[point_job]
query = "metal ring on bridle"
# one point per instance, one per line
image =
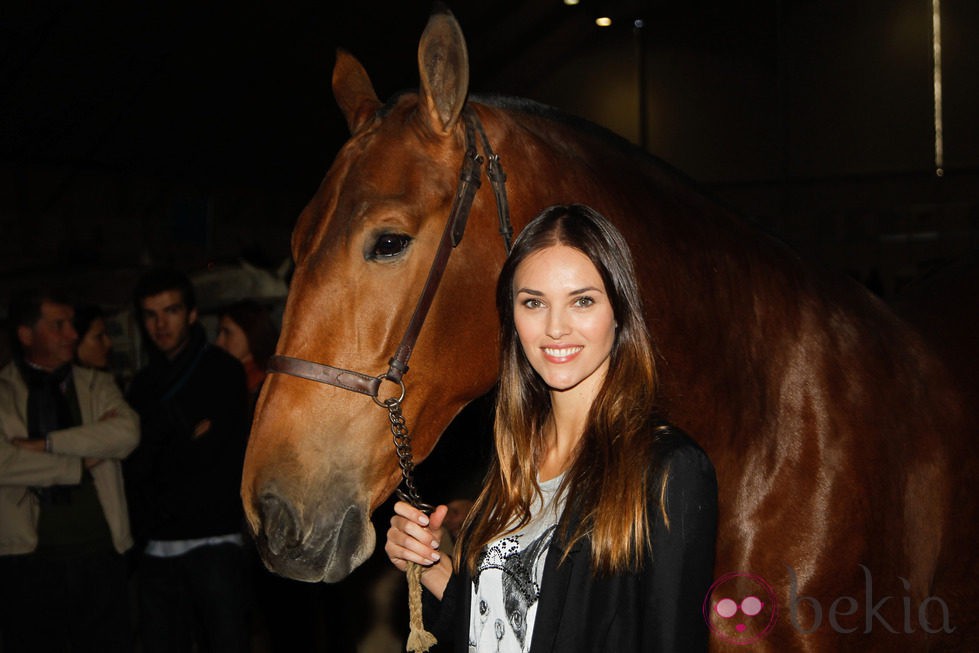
(385, 403)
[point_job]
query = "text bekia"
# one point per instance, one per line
(848, 606)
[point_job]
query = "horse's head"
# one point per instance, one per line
(320, 457)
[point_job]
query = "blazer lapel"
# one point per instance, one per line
(554, 585)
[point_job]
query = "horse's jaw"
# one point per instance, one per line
(334, 538)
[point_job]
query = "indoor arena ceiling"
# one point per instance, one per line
(240, 92)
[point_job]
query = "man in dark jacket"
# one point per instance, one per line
(184, 478)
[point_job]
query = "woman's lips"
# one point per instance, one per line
(561, 354)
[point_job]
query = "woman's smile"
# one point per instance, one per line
(562, 354)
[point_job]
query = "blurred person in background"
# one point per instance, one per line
(184, 478)
(94, 343)
(64, 523)
(286, 609)
(246, 331)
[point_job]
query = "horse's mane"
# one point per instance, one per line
(547, 112)
(672, 181)
(592, 129)
(643, 158)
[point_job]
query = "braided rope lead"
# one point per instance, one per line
(419, 639)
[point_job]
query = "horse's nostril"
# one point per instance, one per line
(280, 523)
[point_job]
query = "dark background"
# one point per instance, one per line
(146, 132)
(193, 133)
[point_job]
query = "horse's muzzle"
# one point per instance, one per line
(326, 546)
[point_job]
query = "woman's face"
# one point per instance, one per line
(232, 339)
(564, 318)
(95, 345)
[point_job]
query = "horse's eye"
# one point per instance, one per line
(388, 245)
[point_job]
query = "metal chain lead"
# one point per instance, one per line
(402, 445)
(419, 639)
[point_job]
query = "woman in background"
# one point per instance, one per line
(94, 343)
(246, 331)
(286, 611)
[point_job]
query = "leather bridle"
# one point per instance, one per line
(455, 227)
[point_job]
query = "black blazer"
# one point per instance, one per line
(658, 608)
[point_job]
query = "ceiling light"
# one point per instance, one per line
(603, 21)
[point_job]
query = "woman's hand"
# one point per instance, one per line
(416, 537)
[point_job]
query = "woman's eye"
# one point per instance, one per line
(584, 301)
(388, 245)
(532, 303)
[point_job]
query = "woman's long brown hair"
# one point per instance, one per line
(608, 480)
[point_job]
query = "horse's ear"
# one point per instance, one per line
(443, 64)
(353, 90)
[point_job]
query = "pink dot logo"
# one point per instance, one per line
(740, 608)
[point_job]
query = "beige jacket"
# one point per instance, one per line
(109, 430)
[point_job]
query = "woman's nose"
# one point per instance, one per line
(557, 324)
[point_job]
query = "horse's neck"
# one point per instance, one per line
(679, 235)
(670, 225)
(719, 291)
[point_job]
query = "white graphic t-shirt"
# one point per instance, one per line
(506, 584)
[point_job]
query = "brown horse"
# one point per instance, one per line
(842, 442)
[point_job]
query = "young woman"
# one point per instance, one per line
(246, 331)
(94, 343)
(286, 608)
(595, 529)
